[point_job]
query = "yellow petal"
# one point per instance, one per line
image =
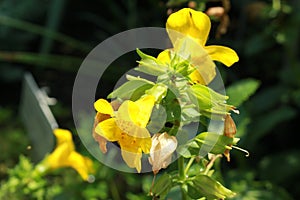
(108, 129)
(199, 58)
(145, 144)
(225, 55)
(103, 106)
(128, 111)
(132, 117)
(58, 158)
(63, 136)
(127, 119)
(83, 165)
(189, 22)
(164, 56)
(197, 78)
(64, 147)
(145, 105)
(132, 159)
(132, 129)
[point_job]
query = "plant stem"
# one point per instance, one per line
(182, 177)
(211, 163)
(189, 165)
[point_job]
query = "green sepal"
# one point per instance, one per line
(159, 91)
(207, 98)
(150, 65)
(210, 188)
(210, 103)
(162, 186)
(214, 143)
(180, 65)
(132, 89)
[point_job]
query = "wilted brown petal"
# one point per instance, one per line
(98, 138)
(229, 131)
(163, 146)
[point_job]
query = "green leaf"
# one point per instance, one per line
(150, 65)
(131, 89)
(162, 186)
(210, 188)
(240, 91)
(193, 192)
(269, 120)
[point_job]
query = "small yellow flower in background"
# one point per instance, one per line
(193, 28)
(163, 146)
(64, 155)
(127, 127)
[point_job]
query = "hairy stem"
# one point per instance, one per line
(182, 177)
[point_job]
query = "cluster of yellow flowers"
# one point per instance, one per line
(126, 122)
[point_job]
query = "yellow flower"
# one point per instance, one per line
(64, 155)
(128, 128)
(190, 28)
(163, 146)
(105, 111)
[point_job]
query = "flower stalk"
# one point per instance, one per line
(182, 177)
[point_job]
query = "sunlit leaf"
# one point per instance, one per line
(240, 91)
(131, 89)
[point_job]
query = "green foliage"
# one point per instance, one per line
(14, 141)
(247, 188)
(25, 183)
(196, 185)
(162, 186)
(240, 91)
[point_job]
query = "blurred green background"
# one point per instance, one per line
(50, 39)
